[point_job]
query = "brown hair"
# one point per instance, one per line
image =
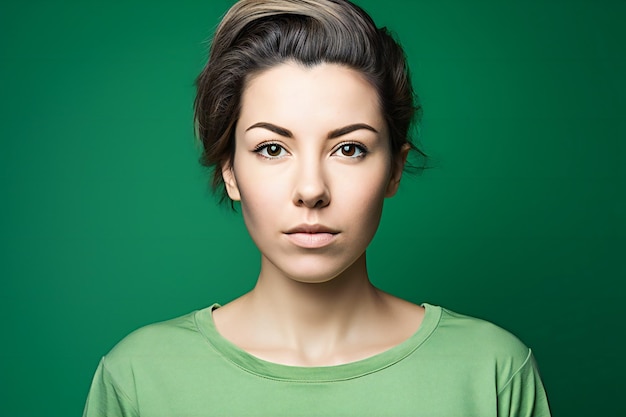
(256, 35)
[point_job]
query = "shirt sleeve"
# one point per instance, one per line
(106, 398)
(523, 395)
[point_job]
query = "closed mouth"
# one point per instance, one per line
(312, 229)
(311, 236)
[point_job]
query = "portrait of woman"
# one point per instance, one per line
(304, 110)
(389, 216)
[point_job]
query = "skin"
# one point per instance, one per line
(312, 168)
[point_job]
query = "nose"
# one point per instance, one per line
(311, 188)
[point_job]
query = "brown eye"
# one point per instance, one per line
(271, 150)
(351, 150)
(348, 150)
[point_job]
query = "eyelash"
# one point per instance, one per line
(259, 149)
(359, 147)
(263, 147)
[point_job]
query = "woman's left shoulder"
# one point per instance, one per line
(476, 335)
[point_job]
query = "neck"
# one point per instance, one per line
(315, 316)
(296, 323)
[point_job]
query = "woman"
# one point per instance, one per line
(304, 109)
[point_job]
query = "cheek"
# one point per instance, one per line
(364, 195)
(260, 198)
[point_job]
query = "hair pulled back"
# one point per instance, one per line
(256, 35)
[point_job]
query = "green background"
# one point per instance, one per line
(107, 224)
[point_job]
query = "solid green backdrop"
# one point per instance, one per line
(107, 224)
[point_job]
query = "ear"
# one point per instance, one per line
(396, 170)
(228, 175)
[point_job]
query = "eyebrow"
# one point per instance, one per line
(331, 135)
(272, 128)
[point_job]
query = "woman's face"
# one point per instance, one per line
(312, 167)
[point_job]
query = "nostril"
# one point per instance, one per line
(311, 192)
(319, 203)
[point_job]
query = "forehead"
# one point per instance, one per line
(325, 96)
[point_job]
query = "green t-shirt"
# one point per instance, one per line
(452, 366)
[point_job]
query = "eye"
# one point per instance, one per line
(351, 150)
(270, 150)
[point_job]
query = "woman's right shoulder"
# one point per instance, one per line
(161, 338)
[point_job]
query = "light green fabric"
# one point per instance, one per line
(453, 365)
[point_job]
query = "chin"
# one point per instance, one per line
(312, 279)
(313, 268)
(318, 272)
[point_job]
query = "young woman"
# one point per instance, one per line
(304, 109)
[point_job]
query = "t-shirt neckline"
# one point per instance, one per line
(262, 368)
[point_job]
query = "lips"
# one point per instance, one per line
(312, 229)
(311, 236)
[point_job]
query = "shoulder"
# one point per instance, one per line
(485, 351)
(147, 358)
(461, 336)
(175, 337)
(478, 334)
